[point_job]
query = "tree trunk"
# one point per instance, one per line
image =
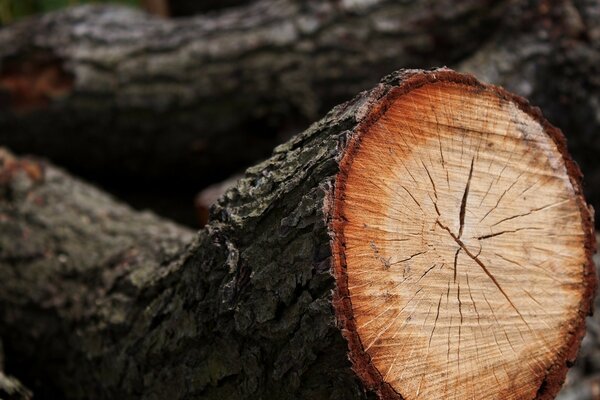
(140, 98)
(428, 238)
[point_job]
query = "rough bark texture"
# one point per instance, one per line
(134, 95)
(77, 262)
(209, 196)
(245, 313)
(100, 301)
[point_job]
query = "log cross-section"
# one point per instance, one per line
(428, 239)
(461, 245)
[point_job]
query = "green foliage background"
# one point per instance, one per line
(11, 10)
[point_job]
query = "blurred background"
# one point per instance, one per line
(12, 10)
(165, 102)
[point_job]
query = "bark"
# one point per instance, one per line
(209, 196)
(140, 98)
(99, 301)
(104, 307)
(75, 260)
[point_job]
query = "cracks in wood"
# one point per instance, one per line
(413, 197)
(392, 322)
(432, 182)
(463, 203)
(437, 316)
(532, 211)
(419, 203)
(459, 311)
(456, 263)
(437, 210)
(502, 257)
(426, 272)
(482, 265)
(500, 198)
(505, 232)
(409, 258)
(439, 137)
(471, 296)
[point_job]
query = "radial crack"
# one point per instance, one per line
(431, 180)
(456, 262)
(532, 211)
(504, 232)
(408, 258)
(413, 197)
(499, 199)
(426, 272)
(463, 204)
(482, 265)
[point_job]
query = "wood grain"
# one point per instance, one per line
(466, 246)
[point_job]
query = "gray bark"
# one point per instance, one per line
(100, 301)
(73, 261)
(123, 95)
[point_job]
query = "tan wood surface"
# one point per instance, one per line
(465, 248)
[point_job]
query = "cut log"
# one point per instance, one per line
(445, 250)
(427, 239)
